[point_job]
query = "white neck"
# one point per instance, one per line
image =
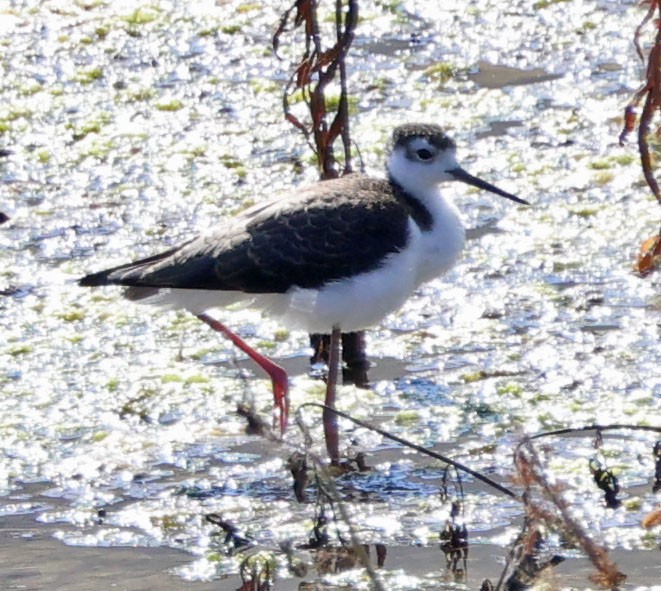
(440, 245)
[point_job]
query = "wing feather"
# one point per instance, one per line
(331, 231)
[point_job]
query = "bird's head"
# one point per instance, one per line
(423, 155)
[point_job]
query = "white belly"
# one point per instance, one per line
(352, 304)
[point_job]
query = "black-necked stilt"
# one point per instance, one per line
(340, 254)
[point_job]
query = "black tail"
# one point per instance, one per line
(94, 279)
(123, 274)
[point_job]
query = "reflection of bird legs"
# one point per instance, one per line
(276, 373)
(354, 363)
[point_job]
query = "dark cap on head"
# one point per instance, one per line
(431, 132)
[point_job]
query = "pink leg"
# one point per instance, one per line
(330, 418)
(276, 373)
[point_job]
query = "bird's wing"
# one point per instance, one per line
(319, 237)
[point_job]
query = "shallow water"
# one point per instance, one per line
(127, 128)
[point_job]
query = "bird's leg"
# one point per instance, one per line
(330, 418)
(276, 373)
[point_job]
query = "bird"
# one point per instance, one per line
(340, 254)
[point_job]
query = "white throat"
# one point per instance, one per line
(438, 247)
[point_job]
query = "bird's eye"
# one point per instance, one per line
(424, 154)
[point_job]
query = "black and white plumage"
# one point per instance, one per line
(341, 253)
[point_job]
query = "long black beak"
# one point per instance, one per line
(461, 175)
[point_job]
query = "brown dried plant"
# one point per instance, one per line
(316, 69)
(545, 504)
(649, 257)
